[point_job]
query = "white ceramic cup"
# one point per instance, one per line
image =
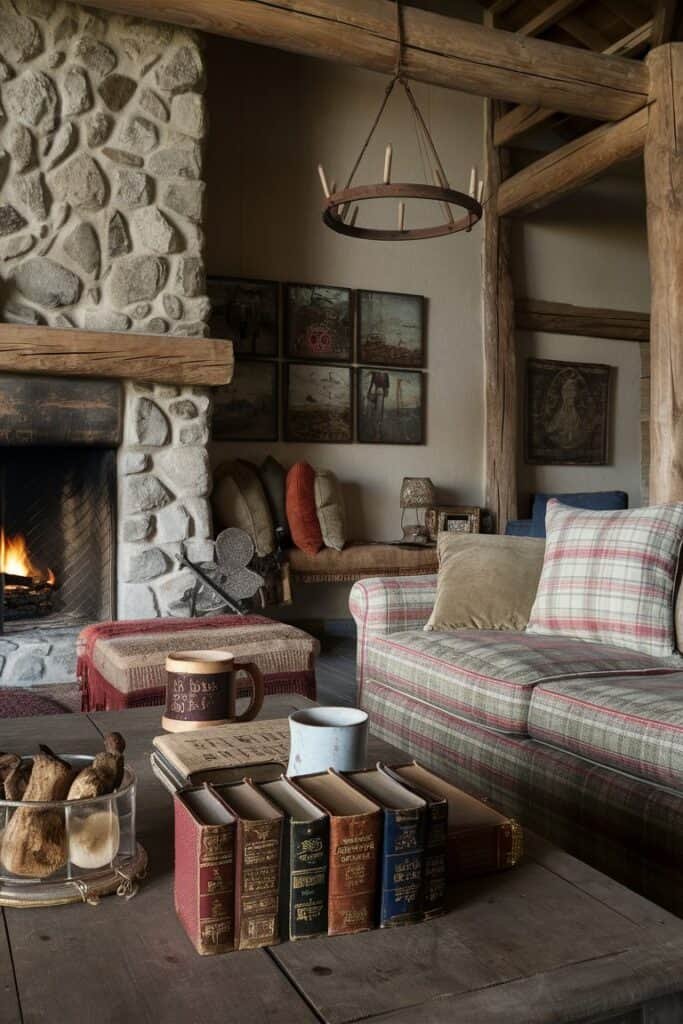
(322, 738)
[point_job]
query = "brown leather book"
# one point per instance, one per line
(204, 879)
(355, 841)
(258, 838)
(480, 838)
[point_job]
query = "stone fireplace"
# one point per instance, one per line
(101, 209)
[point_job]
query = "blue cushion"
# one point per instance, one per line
(519, 527)
(599, 501)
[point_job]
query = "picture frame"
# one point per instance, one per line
(452, 519)
(246, 311)
(318, 323)
(248, 409)
(318, 403)
(567, 408)
(390, 406)
(390, 329)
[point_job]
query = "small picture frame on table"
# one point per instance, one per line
(248, 408)
(318, 403)
(452, 519)
(318, 323)
(390, 329)
(247, 313)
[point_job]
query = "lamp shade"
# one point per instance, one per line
(417, 492)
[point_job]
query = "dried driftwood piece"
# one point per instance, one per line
(34, 842)
(104, 774)
(14, 776)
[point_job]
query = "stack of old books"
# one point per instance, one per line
(327, 854)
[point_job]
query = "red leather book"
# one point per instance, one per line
(204, 880)
(355, 842)
(258, 839)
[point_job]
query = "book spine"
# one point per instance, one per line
(354, 850)
(476, 851)
(257, 883)
(402, 868)
(436, 858)
(307, 879)
(204, 882)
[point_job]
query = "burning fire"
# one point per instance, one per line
(15, 560)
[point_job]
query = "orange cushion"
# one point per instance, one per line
(300, 504)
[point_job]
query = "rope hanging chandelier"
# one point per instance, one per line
(340, 208)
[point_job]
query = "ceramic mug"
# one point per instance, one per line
(322, 738)
(202, 690)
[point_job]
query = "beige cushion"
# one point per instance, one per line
(239, 500)
(360, 560)
(329, 506)
(486, 581)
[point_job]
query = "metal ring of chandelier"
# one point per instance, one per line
(340, 202)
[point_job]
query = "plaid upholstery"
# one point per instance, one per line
(634, 724)
(626, 827)
(610, 576)
(488, 676)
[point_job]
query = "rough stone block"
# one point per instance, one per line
(30, 192)
(144, 494)
(174, 594)
(105, 320)
(173, 524)
(186, 198)
(139, 566)
(117, 91)
(83, 246)
(77, 96)
(191, 279)
(10, 220)
(175, 162)
(20, 146)
(96, 56)
(134, 462)
(138, 528)
(185, 409)
(188, 114)
(98, 128)
(81, 183)
(155, 232)
(187, 470)
(63, 144)
(32, 99)
(153, 105)
(140, 135)
(47, 283)
(137, 278)
(118, 238)
(151, 426)
(194, 433)
(133, 188)
(137, 602)
(21, 37)
(181, 71)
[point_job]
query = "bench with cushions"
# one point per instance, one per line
(582, 740)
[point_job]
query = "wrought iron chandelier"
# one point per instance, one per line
(340, 208)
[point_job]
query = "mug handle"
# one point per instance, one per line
(254, 672)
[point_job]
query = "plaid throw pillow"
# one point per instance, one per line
(610, 576)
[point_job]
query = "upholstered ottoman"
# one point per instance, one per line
(122, 664)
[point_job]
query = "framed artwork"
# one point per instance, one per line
(453, 519)
(318, 323)
(245, 312)
(567, 413)
(247, 408)
(318, 403)
(391, 329)
(391, 406)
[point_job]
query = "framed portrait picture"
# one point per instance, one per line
(318, 323)
(391, 329)
(245, 312)
(567, 413)
(318, 403)
(391, 406)
(247, 408)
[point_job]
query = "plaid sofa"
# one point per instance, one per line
(581, 741)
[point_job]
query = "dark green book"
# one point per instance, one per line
(305, 861)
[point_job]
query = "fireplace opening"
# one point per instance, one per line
(57, 536)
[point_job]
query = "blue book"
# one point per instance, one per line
(404, 819)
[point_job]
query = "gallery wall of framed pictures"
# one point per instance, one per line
(340, 364)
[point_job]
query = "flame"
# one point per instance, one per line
(15, 559)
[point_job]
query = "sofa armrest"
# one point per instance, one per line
(384, 605)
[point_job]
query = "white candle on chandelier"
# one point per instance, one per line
(473, 181)
(352, 218)
(323, 181)
(401, 216)
(387, 164)
(480, 191)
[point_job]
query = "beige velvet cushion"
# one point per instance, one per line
(329, 505)
(239, 500)
(486, 581)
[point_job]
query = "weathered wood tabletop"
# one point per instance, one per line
(550, 942)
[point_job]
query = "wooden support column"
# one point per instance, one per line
(500, 360)
(664, 188)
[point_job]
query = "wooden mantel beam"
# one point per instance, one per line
(439, 50)
(573, 165)
(146, 357)
(581, 321)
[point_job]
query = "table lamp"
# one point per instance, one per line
(417, 492)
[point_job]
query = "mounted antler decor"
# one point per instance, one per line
(340, 210)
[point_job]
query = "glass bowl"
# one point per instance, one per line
(65, 851)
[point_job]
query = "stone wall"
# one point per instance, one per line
(102, 120)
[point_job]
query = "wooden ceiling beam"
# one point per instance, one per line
(524, 117)
(549, 16)
(664, 21)
(123, 356)
(584, 33)
(440, 50)
(581, 321)
(573, 165)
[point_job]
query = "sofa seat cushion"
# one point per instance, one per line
(488, 676)
(634, 724)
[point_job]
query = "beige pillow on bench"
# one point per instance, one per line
(486, 581)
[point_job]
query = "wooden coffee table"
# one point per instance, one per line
(549, 942)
